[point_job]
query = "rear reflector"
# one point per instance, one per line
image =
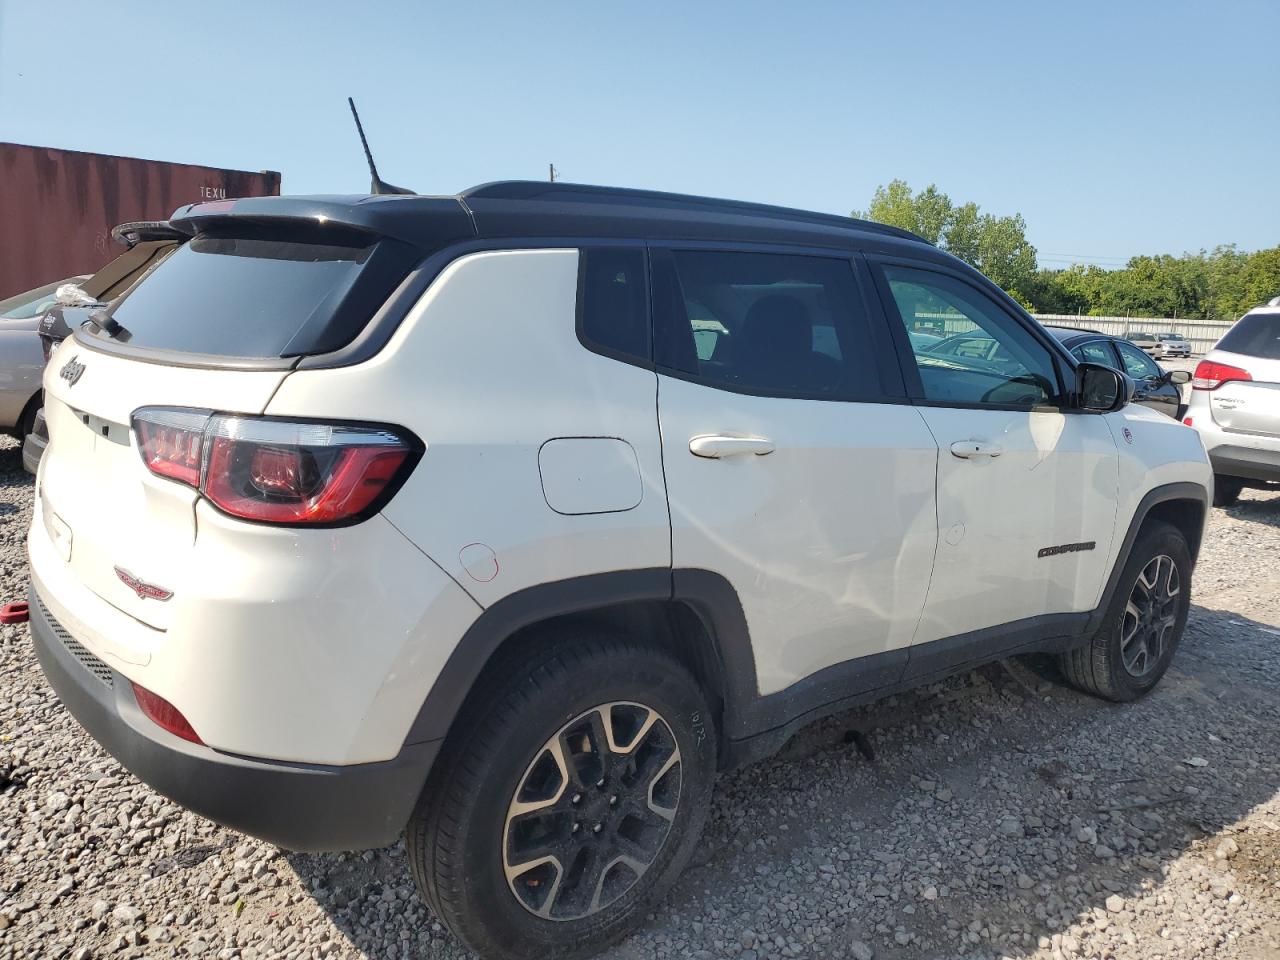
(1187, 421)
(1210, 375)
(291, 472)
(164, 714)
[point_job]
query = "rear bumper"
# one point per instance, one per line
(1248, 463)
(305, 807)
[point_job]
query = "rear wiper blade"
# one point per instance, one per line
(107, 324)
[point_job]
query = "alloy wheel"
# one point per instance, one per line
(1149, 616)
(592, 811)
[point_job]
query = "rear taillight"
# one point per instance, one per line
(277, 471)
(164, 714)
(171, 442)
(1210, 375)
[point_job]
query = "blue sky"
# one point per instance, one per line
(1115, 128)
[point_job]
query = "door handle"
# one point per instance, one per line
(969, 449)
(716, 447)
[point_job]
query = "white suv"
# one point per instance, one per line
(1235, 404)
(506, 519)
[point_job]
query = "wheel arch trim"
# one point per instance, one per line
(1185, 491)
(708, 595)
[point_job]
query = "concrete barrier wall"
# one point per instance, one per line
(1203, 334)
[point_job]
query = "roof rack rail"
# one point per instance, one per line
(587, 193)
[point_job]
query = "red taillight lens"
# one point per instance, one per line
(164, 714)
(299, 486)
(277, 471)
(1210, 375)
(171, 442)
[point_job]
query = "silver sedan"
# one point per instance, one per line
(22, 357)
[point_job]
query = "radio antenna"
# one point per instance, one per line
(377, 186)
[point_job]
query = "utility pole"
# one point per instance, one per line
(552, 172)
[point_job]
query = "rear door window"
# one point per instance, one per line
(258, 297)
(764, 323)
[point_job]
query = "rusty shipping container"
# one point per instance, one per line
(57, 207)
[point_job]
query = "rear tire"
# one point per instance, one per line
(594, 748)
(27, 422)
(1226, 490)
(1143, 624)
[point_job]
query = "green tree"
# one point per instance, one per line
(925, 214)
(1220, 284)
(1259, 279)
(997, 246)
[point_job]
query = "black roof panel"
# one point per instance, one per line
(585, 194)
(534, 210)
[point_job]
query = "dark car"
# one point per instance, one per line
(148, 243)
(1156, 388)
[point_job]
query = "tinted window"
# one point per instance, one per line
(1096, 351)
(613, 312)
(238, 297)
(1256, 335)
(988, 357)
(1136, 363)
(773, 324)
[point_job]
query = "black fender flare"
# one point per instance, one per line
(710, 597)
(1182, 490)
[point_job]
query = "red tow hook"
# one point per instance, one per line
(16, 612)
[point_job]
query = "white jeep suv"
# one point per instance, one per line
(507, 519)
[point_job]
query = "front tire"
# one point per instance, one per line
(1143, 624)
(569, 802)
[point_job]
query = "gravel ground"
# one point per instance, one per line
(1002, 815)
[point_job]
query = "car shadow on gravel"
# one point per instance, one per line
(1000, 808)
(11, 472)
(1263, 508)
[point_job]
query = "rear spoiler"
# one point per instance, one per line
(130, 234)
(428, 223)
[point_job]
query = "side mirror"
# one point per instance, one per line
(1178, 377)
(1102, 388)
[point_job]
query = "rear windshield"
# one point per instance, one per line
(236, 297)
(1255, 335)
